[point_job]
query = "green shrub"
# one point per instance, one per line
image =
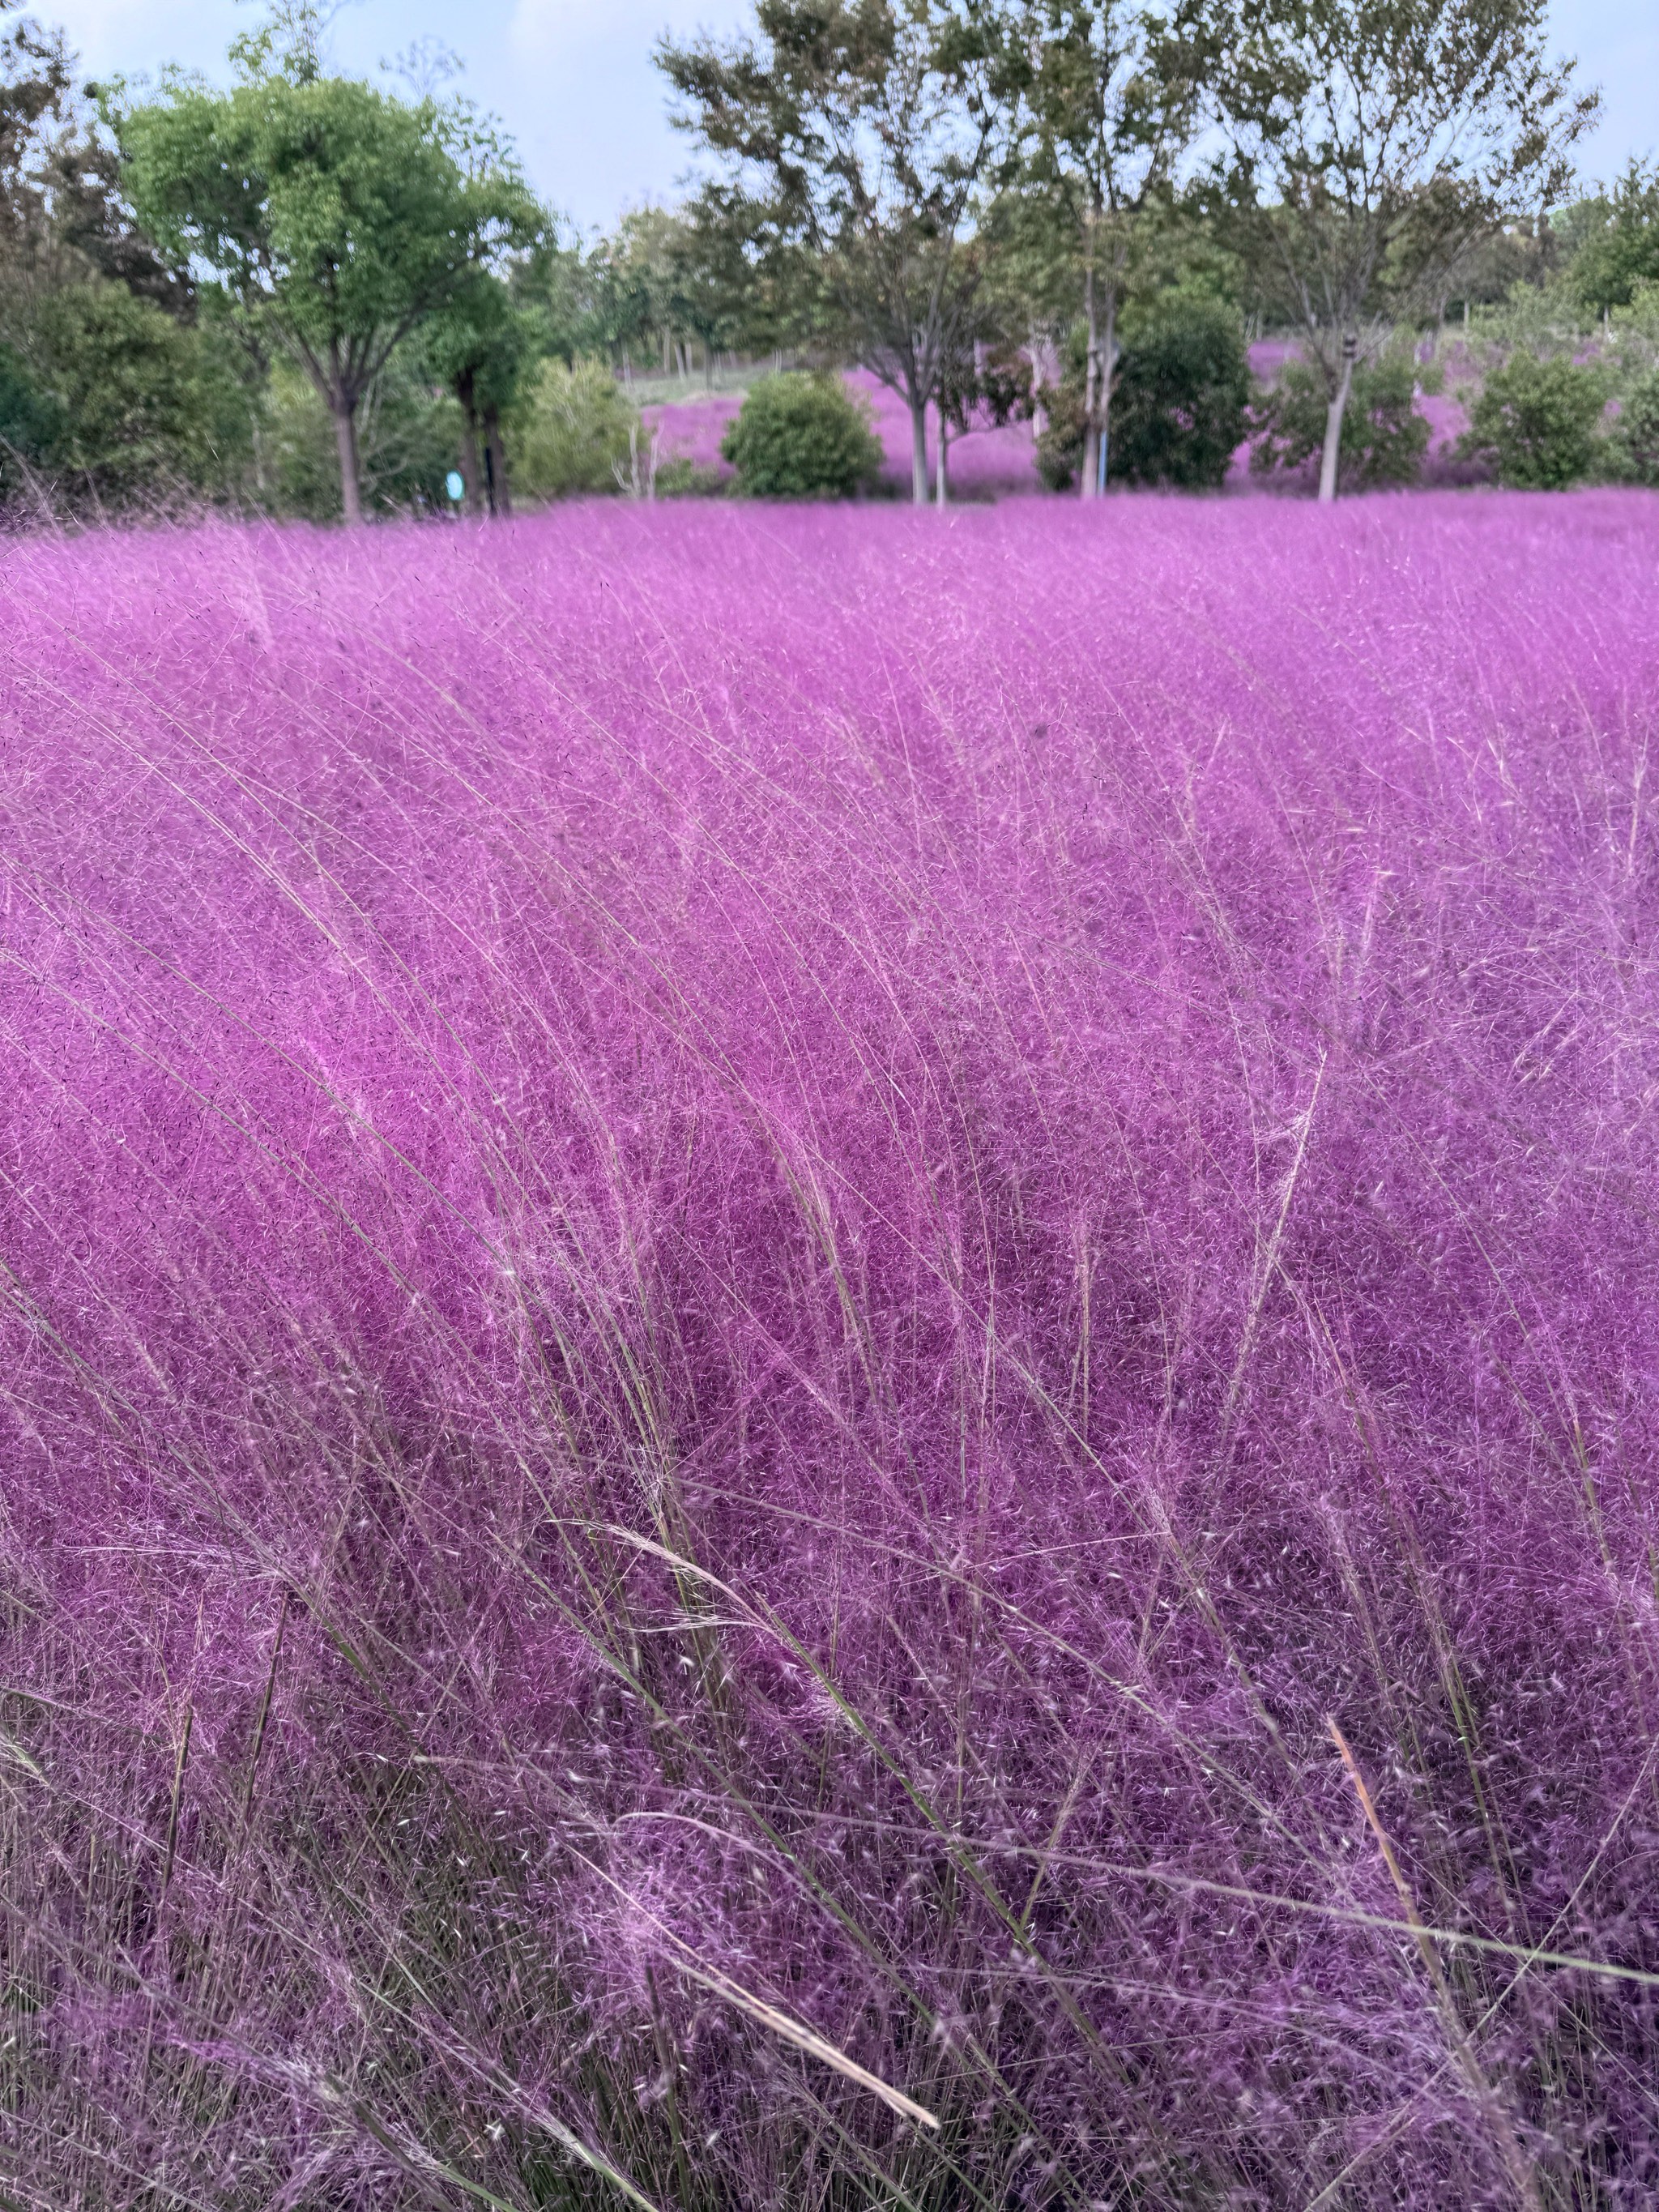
(1538, 422)
(1180, 396)
(1637, 432)
(30, 427)
(801, 437)
(1383, 437)
(1060, 442)
(680, 478)
(130, 406)
(571, 434)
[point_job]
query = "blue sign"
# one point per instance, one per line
(453, 485)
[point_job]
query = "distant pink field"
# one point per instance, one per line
(804, 1314)
(988, 462)
(985, 462)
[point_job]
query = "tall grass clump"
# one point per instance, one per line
(830, 1360)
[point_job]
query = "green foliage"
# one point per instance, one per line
(1060, 442)
(680, 478)
(1538, 422)
(409, 432)
(1180, 398)
(1617, 236)
(1109, 92)
(29, 428)
(484, 345)
(1179, 405)
(1637, 432)
(572, 431)
(858, 134)
(1368, 143)
(334, 218)
(1383, 437)
(123, 405)
(801, 437)
(325, 208)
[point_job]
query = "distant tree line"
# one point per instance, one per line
(307, 295)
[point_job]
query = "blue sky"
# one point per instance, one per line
(572, 79)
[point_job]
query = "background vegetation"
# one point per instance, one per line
(1077, 215)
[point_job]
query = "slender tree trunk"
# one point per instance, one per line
(919, 450)
(345, 442)
(495, 461)
(1108, 362)
(1334, 414)
(1090, 486)
(942, 477)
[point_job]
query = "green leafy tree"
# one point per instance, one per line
(1369, 143)
(484, 347)
(1383, 438)
(1538, 422)
(1617, 237)
(857, 133)
(716, 290)
(334, 218)
(36, 115)
(554, 278)
(1109, 93)
(63, 218)
(30, 427)
(801, 437)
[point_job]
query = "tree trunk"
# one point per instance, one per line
(1039, 412)
(1090, 486)
(495, 449)
(471, 475)
(918, 450)
(942, 477)
(1108, 362)
(1334, 414)
(345, 440)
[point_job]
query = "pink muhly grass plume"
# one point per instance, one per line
(830, 1348)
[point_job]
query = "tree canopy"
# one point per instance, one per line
(1370, 142)
(862, 130)
(334, 217)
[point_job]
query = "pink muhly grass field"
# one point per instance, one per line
(755, 1261)
(985, 462)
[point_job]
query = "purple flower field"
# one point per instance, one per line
(829, 1343)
